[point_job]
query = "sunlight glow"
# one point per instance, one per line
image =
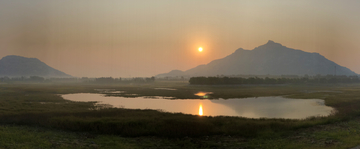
(200, 49)
(202, 94)
(200, 110)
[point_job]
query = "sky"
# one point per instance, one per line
(142, 38)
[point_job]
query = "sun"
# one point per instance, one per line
(200, 49)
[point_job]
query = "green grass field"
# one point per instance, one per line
(35, 116)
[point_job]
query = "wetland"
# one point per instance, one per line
(31, 109)
(260, 107)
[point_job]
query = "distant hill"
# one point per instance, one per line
(17, 66)
(268, 59)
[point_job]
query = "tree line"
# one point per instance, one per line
(22, 79)
(120, 80)
(267, 80)
(6, 79)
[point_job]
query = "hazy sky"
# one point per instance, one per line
(132, 38)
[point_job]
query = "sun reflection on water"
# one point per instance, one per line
(203, 94)
(200, 110)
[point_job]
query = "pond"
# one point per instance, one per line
(260, 107)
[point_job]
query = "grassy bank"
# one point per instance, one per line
(39, 105)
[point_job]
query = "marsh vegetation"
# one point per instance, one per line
(41, 106)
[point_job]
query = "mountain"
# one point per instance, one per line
(17, 66)
(268, 59)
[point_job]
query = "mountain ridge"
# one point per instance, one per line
(269, 59)
(18, 66)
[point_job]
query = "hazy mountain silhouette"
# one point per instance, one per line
(271, 58)
(17, 66)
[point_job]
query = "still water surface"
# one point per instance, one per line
(261, 107)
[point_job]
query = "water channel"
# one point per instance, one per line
(260, 107)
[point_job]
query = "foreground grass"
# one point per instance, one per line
(35, 137)
(341, 135)
(40, 107)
